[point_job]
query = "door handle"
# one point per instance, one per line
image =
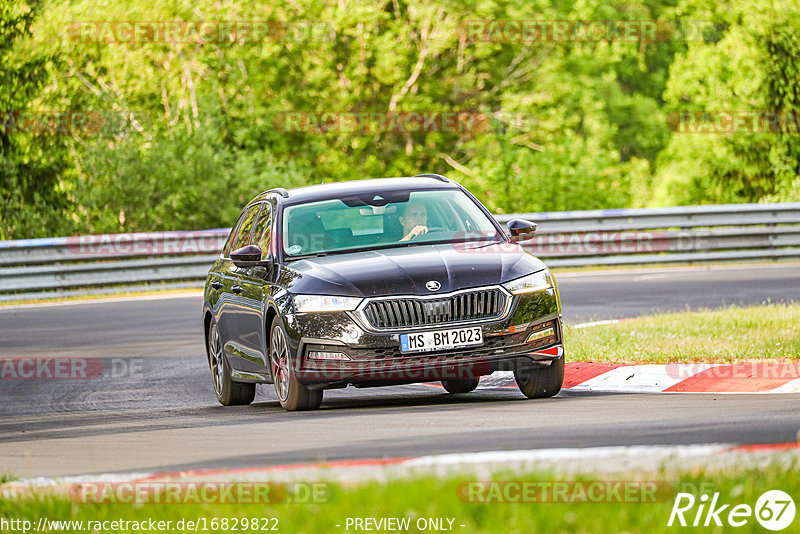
(236, 289)
(216, 284)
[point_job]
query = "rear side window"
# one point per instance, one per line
(226, 250)
(262, 234)
(243, 237)
(240, 235)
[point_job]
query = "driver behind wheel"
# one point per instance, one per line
(414, 218)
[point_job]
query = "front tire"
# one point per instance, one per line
(540, 382)
(460, 386)
(229, 393)
(292, 395)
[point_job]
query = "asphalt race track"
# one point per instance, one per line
(154, 407)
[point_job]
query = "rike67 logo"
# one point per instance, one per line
(774, 510)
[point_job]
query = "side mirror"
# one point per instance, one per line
(521, 230)
(246, 256)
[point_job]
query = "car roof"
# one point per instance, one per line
(325, 191)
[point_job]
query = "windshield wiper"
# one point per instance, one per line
(306, 256)
(386, 246)
(485, 244)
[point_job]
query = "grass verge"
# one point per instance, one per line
(579, 509)
(734, 334)
(103, 296)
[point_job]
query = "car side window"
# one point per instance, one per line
(226, 250)
(262, 234)
(243, 237)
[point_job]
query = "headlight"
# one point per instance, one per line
(531, 283)
(325, 303)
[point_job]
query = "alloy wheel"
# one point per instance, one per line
(215, 359)
(279, 355)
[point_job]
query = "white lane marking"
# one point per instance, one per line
(34, 305)
(673, 270)
(597, 323)
(556, 455)
(588, 459)
(649, 277)
(431, 461)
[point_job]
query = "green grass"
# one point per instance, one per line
(435, 497)
(756, 333)
(100, 296)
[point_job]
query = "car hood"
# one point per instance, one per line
(406, 270)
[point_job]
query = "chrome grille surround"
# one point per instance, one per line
(419, 312)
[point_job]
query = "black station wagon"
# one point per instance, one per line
(376, 283)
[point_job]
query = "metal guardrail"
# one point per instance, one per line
(727, 232)
(30, 267)
(734, 232)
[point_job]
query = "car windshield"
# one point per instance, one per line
(384, 220)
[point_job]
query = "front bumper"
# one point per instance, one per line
(374, 358)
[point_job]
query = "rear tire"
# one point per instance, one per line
(229, 393)
(292, 395)
(460, 386)
(541, 382)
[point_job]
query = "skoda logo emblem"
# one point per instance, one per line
(433, 285)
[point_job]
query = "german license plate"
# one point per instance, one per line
(450, 338)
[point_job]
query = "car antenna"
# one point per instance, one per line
(280, 190)
(437, 176)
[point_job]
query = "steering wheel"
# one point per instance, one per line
(434, 230)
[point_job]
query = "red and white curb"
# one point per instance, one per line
(614, 459)
(760, 377)
(755, 377)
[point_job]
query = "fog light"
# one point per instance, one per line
(320, 355)
(540, 334)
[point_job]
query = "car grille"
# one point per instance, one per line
(410, 311)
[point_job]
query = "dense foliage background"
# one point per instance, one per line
(188, 133)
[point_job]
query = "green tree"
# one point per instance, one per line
(32, 198)
(751, 68)
(192, 127)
